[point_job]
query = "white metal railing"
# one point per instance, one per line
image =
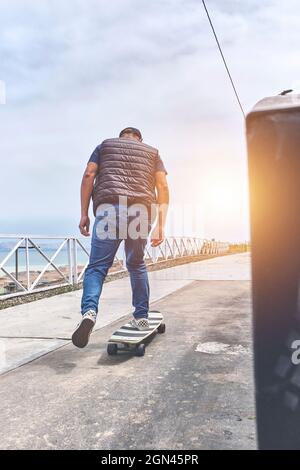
(24, 278)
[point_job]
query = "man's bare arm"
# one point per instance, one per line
(86, 189)
(161, 184)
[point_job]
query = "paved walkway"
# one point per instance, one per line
(193, 389)
(33, 329)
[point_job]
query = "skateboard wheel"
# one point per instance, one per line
(112, 349)
(140, 350)
(161, 328)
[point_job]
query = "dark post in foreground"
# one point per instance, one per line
(273, 135)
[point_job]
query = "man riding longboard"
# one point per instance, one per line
(126, 180)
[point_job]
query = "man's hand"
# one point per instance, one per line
(84, 225)
(157, 236)
(158, 232)
(86, 190)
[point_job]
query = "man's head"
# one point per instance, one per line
(131, 133)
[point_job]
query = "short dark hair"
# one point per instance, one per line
(131, 130)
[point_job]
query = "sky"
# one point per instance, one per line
(78, 71)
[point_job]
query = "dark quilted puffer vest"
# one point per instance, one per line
(127, 168)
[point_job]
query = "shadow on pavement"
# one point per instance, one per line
(120, 358)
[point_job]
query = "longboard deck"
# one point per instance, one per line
(127, 334)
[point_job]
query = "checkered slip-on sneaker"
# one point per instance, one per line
(81, 335)
(140, 323)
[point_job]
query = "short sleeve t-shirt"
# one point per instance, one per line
(96, 158)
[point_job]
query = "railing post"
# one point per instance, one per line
(70, 261)
(75, 274)
(27, 264)
(154, 256)
(124, 257)
(17, 263)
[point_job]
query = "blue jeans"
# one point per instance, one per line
(102, 255)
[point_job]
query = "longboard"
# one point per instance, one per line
(129, 338)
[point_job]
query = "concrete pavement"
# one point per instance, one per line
(30, 330)
(193, 389)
